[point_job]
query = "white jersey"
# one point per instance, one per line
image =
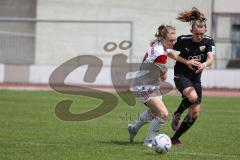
(155, 54)
(148, 78)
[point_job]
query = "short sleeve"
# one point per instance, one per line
(211, 47)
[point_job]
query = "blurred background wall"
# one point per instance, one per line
(36, 36)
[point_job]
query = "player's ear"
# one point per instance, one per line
(191, 30)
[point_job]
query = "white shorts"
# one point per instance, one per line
(145, 93)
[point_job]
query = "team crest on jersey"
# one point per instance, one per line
(202, 48)
(187, 49)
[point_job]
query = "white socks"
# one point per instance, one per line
(154, 127)
(143, 119)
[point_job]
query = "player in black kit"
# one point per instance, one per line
(199, 49)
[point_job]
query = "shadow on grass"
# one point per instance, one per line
(120, 142)
(144, 150)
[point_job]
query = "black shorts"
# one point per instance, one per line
(182, 82)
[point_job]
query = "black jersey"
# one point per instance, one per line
(192, 50)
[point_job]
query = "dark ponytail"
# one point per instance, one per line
(194, 17)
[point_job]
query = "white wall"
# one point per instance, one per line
(221, 78)
(210, 78)
(229, 6)
(1, 73)
(56, 43)
(40, 74)
(216, 78)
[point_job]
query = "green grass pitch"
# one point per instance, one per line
(29, 129)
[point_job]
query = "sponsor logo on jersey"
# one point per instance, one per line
(202, 48)
(197, 57)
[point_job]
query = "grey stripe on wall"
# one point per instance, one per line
(17, 39)
(16, 73)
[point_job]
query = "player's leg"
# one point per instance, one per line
(187, 123)
(191, 117)
(160, 115)
(185, 86)
(144, 117)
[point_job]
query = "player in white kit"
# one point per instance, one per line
(146, 84)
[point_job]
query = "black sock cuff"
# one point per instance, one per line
(185, 104)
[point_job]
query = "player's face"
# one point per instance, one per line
(170, 40)
(198, 34)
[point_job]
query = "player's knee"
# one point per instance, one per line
(193, 99)
(164, 115)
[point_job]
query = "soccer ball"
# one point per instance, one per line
(162, 143)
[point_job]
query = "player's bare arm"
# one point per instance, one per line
(190, 63)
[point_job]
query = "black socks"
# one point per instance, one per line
(184, 105)
(185, 125)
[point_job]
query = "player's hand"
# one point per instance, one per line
(200, 67)
(192, 63)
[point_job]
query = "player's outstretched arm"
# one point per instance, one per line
(190, 63)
